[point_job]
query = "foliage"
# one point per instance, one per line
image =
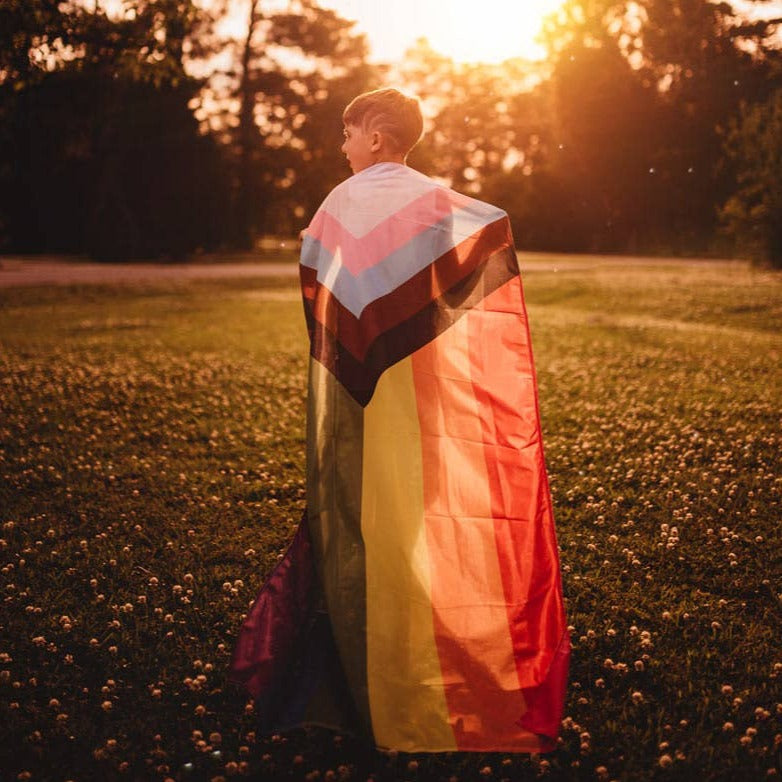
(113, 167)
(479, 115)
(155, 132)
(293, 70)
(102, 154)
(707, 60)
(613, 144)
(651, 158)
(752, 216)
(29, 30)
(582, 22)
(152, 462)
(604, 146)
(145, 43)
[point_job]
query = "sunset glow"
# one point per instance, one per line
(468, 31)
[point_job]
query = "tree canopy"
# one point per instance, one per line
(160, 130)
(752, 214)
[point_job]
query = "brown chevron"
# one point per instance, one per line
(360, 376)
(357, 335)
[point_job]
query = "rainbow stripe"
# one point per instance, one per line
(429, 513)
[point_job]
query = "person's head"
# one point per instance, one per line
(381, 126)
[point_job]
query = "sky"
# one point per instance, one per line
(466, 30)
(470, 30)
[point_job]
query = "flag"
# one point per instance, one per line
(428, 539)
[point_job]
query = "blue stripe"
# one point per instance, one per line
(356, 292)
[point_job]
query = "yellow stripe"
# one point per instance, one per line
(406, 696)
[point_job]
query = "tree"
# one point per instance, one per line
(604, 146)
(484, 118)
(102, 153)
(706, 60)
(288, 72)
(29, 31)
(688, 64)
(752, 216)
(566, 148)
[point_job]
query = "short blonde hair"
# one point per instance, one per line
(396, 115)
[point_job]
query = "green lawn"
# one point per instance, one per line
(152, 471)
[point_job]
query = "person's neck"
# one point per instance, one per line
(391, 158)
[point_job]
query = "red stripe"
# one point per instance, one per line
(505, 385)
(470, 624)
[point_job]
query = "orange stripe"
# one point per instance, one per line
(471, 629)
(506, 389)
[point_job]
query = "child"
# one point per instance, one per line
(428, 534)
(381, 127)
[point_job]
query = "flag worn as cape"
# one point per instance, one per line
(421, 598)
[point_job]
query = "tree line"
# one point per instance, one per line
(171, 127)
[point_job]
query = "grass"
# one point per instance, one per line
(152, 471)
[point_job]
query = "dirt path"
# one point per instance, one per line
(15, 271)
(54, 271)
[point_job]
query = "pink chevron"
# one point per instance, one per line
(361, 253)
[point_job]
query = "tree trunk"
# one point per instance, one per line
(247, 136)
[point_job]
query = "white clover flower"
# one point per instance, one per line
(665, 761)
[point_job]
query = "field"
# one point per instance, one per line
(151, 473)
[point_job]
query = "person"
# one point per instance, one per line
(420, 603)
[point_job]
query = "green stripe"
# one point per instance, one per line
(335, 433)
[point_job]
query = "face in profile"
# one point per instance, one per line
(358, 148)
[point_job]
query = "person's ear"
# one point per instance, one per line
(375, 140)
